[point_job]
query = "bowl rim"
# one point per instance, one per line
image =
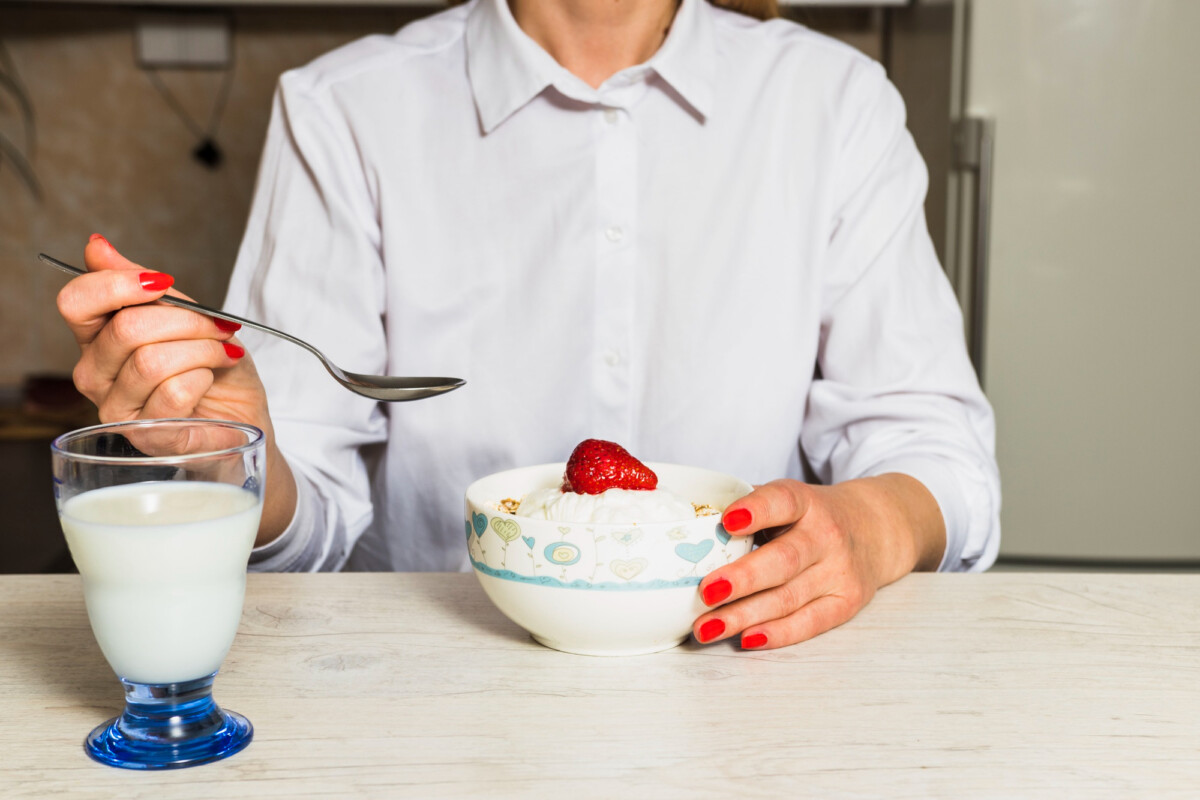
(475, 502)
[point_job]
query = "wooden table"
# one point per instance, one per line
(413, 685)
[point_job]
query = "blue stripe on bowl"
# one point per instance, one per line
(598, 586)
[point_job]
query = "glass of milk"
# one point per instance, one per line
(160, 517)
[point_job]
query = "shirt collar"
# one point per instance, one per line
(507, 68)
(688, 58)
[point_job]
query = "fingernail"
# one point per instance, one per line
(753, 640)
(232, 350)
(155, 281)
(96, 236)
(226, 325)
(736, 520)
(716, 591)
(711, 630)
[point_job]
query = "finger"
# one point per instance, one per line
(822, 614)
(100, 255)
(774, 564)
(777, 599)
(770, 582)
(132, 328)
(775, 504)
(87, 302)
(150, 367)
(179, 396)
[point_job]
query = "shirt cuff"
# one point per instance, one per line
(285, 551)
(947, 492)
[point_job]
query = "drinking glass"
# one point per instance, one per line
(160, 517)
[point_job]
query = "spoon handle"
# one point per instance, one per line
(197, 307)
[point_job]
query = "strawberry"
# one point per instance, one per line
(596, 465)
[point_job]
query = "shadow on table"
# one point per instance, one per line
(60, 662)
(474, 611)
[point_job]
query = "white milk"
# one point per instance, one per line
(164, 573)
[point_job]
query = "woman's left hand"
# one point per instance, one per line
(827, 550)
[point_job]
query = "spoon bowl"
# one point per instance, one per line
(387, 388)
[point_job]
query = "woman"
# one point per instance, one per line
(679, 228)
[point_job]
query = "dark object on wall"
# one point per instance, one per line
(208, 154)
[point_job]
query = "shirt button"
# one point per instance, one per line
(612, 357)
(614, 234)
(611, 116)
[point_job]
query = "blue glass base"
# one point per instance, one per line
(167, 726)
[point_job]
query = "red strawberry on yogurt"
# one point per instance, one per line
(596, 466)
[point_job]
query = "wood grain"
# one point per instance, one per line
(413, 685)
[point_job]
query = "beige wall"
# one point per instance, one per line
(111, 156)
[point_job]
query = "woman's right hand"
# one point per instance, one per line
(146, 360)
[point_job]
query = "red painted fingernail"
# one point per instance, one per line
(96, 236)
(716, 591)
(232, 350)
(753, 640)
(155, 281)
(711, 630)
(226, 325)
(736, 520)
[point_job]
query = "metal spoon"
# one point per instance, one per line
(378, 387)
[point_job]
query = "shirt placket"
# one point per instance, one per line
(616, 236)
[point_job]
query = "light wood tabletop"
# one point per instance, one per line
(413, 685)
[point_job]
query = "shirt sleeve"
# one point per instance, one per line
(309, 265)
(895, 390)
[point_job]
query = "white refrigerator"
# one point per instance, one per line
(1073, 237)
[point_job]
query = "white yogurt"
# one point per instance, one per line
(164, 573)
(614, 505)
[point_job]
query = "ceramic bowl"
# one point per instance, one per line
(600, 588)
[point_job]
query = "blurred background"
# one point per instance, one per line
(1060, 140)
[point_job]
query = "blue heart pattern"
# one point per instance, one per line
(480, 523)
(723, 534)
(528, 540)
(694, 551)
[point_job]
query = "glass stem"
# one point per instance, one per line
(169, 712)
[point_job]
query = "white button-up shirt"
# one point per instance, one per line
(717, 258)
